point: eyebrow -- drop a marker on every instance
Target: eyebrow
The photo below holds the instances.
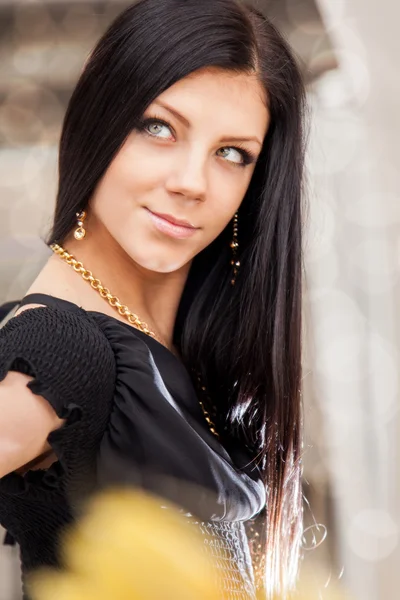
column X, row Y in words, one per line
column 183, row 120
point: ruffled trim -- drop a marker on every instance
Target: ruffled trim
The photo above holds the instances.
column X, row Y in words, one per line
column 39, row 482
column 44, row 479
column 15, row 484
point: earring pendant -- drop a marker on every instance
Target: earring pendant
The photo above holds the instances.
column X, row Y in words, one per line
column 80, row 231
column 234, row 247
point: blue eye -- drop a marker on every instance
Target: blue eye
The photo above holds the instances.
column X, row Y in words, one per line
column 158, row 128
column 155, row 127
column 242, row 157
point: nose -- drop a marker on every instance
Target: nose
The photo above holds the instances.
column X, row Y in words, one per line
column 188, row 176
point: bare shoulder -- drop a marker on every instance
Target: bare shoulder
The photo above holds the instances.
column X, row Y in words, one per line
column 54, row 279
column 27, row 307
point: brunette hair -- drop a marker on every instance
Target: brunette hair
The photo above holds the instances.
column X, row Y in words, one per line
column 244, row 339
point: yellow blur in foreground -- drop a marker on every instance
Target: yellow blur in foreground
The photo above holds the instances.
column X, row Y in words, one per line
column 308, row 590
column 129, row 548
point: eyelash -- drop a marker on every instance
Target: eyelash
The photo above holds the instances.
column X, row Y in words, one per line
column 248, row 157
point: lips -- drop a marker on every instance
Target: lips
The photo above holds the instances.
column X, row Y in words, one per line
column 174, row 221
column 171, row 226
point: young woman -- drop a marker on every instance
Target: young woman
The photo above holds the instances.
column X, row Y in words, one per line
column 161, row 343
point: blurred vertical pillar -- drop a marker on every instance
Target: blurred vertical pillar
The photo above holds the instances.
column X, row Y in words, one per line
column 355, row 289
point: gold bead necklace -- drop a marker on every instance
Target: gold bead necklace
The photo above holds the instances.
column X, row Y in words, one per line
column 124, row 311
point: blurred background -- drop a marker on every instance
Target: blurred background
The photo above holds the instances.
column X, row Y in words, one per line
column 349, row 53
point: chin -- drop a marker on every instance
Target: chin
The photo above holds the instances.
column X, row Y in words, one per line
column 161, row 264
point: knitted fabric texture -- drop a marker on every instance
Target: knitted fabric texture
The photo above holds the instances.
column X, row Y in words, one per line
column 73, row 368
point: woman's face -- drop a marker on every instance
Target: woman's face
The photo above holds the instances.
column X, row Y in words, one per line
column 191, row 161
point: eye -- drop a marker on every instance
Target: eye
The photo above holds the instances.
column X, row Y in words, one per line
column 239, row 156
column 157, row 128
column 236, row 157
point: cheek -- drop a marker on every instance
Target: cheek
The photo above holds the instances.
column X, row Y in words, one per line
column 125, row 186
column 126, row 177
column 111, row 201
column 221, row 210
column 134, row 170
column 140, row 165
column 228, row 188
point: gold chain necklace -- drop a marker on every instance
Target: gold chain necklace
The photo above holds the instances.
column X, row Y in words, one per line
column 123, row 310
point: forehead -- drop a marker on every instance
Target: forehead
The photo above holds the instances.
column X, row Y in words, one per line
column 230, row 102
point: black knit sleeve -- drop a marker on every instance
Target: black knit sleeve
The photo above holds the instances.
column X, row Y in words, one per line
column 73, row 368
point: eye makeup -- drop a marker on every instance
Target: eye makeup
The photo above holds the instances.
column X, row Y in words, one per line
column 248, row 157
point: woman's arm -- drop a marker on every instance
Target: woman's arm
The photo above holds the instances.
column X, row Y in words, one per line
column 26, row 420
column 56, row 368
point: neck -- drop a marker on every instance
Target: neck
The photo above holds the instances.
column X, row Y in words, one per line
column 154, row 297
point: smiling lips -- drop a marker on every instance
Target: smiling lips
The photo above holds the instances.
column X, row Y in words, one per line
column 171, row 226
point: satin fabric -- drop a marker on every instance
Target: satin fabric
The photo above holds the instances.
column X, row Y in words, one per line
column 157, row 436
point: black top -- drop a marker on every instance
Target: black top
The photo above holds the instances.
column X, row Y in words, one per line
column 132, row 416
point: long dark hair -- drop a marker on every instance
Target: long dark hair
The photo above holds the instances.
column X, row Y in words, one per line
column 244, row 339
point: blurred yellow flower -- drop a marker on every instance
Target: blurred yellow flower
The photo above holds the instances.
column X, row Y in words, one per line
column 128, row 548
column 133, row 546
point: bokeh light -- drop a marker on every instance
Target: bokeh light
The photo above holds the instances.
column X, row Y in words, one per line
column 373, row 535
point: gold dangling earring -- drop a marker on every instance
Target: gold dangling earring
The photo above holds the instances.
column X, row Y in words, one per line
column 235, row 245
column 80, row 232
